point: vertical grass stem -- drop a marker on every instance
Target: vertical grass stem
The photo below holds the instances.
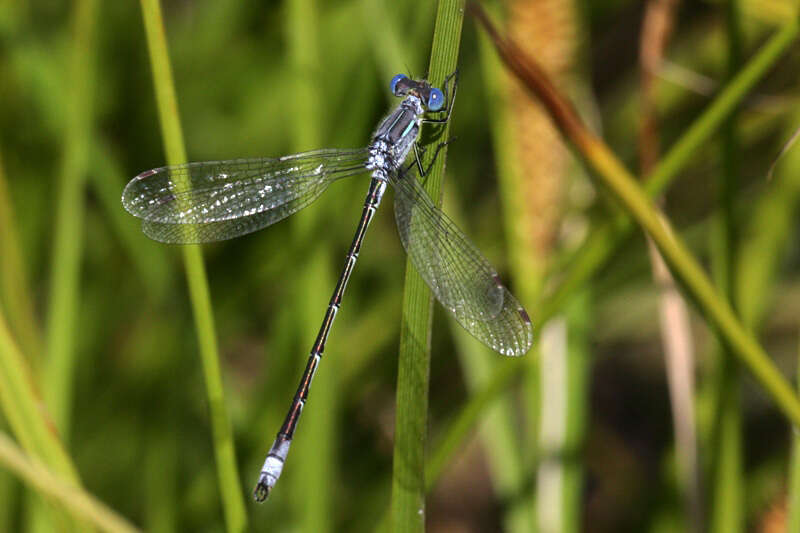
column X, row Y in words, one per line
column 408, row 482
column 229, row 485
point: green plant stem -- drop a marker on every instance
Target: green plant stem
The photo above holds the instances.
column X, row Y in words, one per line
column 17, row 299
column 67, row 245
column 57, row 377
column 230, row 489
column 408, row 482
column 161, row 481
column 74, row 499
column 9, row 497
column 579, row 364
column 314, row 459
column 793, row 521
column 14, row 286
column 727, row 507
column 22, row 407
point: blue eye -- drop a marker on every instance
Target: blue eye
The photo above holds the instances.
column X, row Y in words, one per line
column 394, row 82
column 435, row 99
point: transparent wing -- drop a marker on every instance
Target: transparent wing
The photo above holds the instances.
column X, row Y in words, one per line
column 219, row 200
column 459, row 276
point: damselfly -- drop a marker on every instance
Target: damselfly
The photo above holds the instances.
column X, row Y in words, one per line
column 219, row 200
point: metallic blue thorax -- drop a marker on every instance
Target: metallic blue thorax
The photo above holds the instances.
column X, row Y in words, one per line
column 395, row 137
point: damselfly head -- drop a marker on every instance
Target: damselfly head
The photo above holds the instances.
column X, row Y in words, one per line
column 432, row 97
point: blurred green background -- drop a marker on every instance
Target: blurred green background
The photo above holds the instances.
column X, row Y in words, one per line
column 272, row 78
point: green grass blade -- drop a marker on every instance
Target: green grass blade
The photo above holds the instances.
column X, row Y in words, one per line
column 766, row 239
column 63, row 311
column 313, row 456
column 9, row 497
column 227, row 471
column 768, row 235
column 161, row 483
column 76, row 501
column 509, row 455
column 579, row 366
column 63, row 308
column 22, row 407
column 727, row 502
column 793, row 521
column 17, row 299
column 14, row 287
column 408, row 482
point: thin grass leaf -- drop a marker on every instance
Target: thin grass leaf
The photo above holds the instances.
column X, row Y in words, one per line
column 9, row 497
column 76, row 501
column 161, row 483
column 22, row 407
column 314, row 457
column 227, row 471
column 63, row 311
column 14, row 286
column 727, row 504
column 408, row 482
column 786, row 147
column 579, row 364
column 793, row 521
column 766, row 239
column 18, row 300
